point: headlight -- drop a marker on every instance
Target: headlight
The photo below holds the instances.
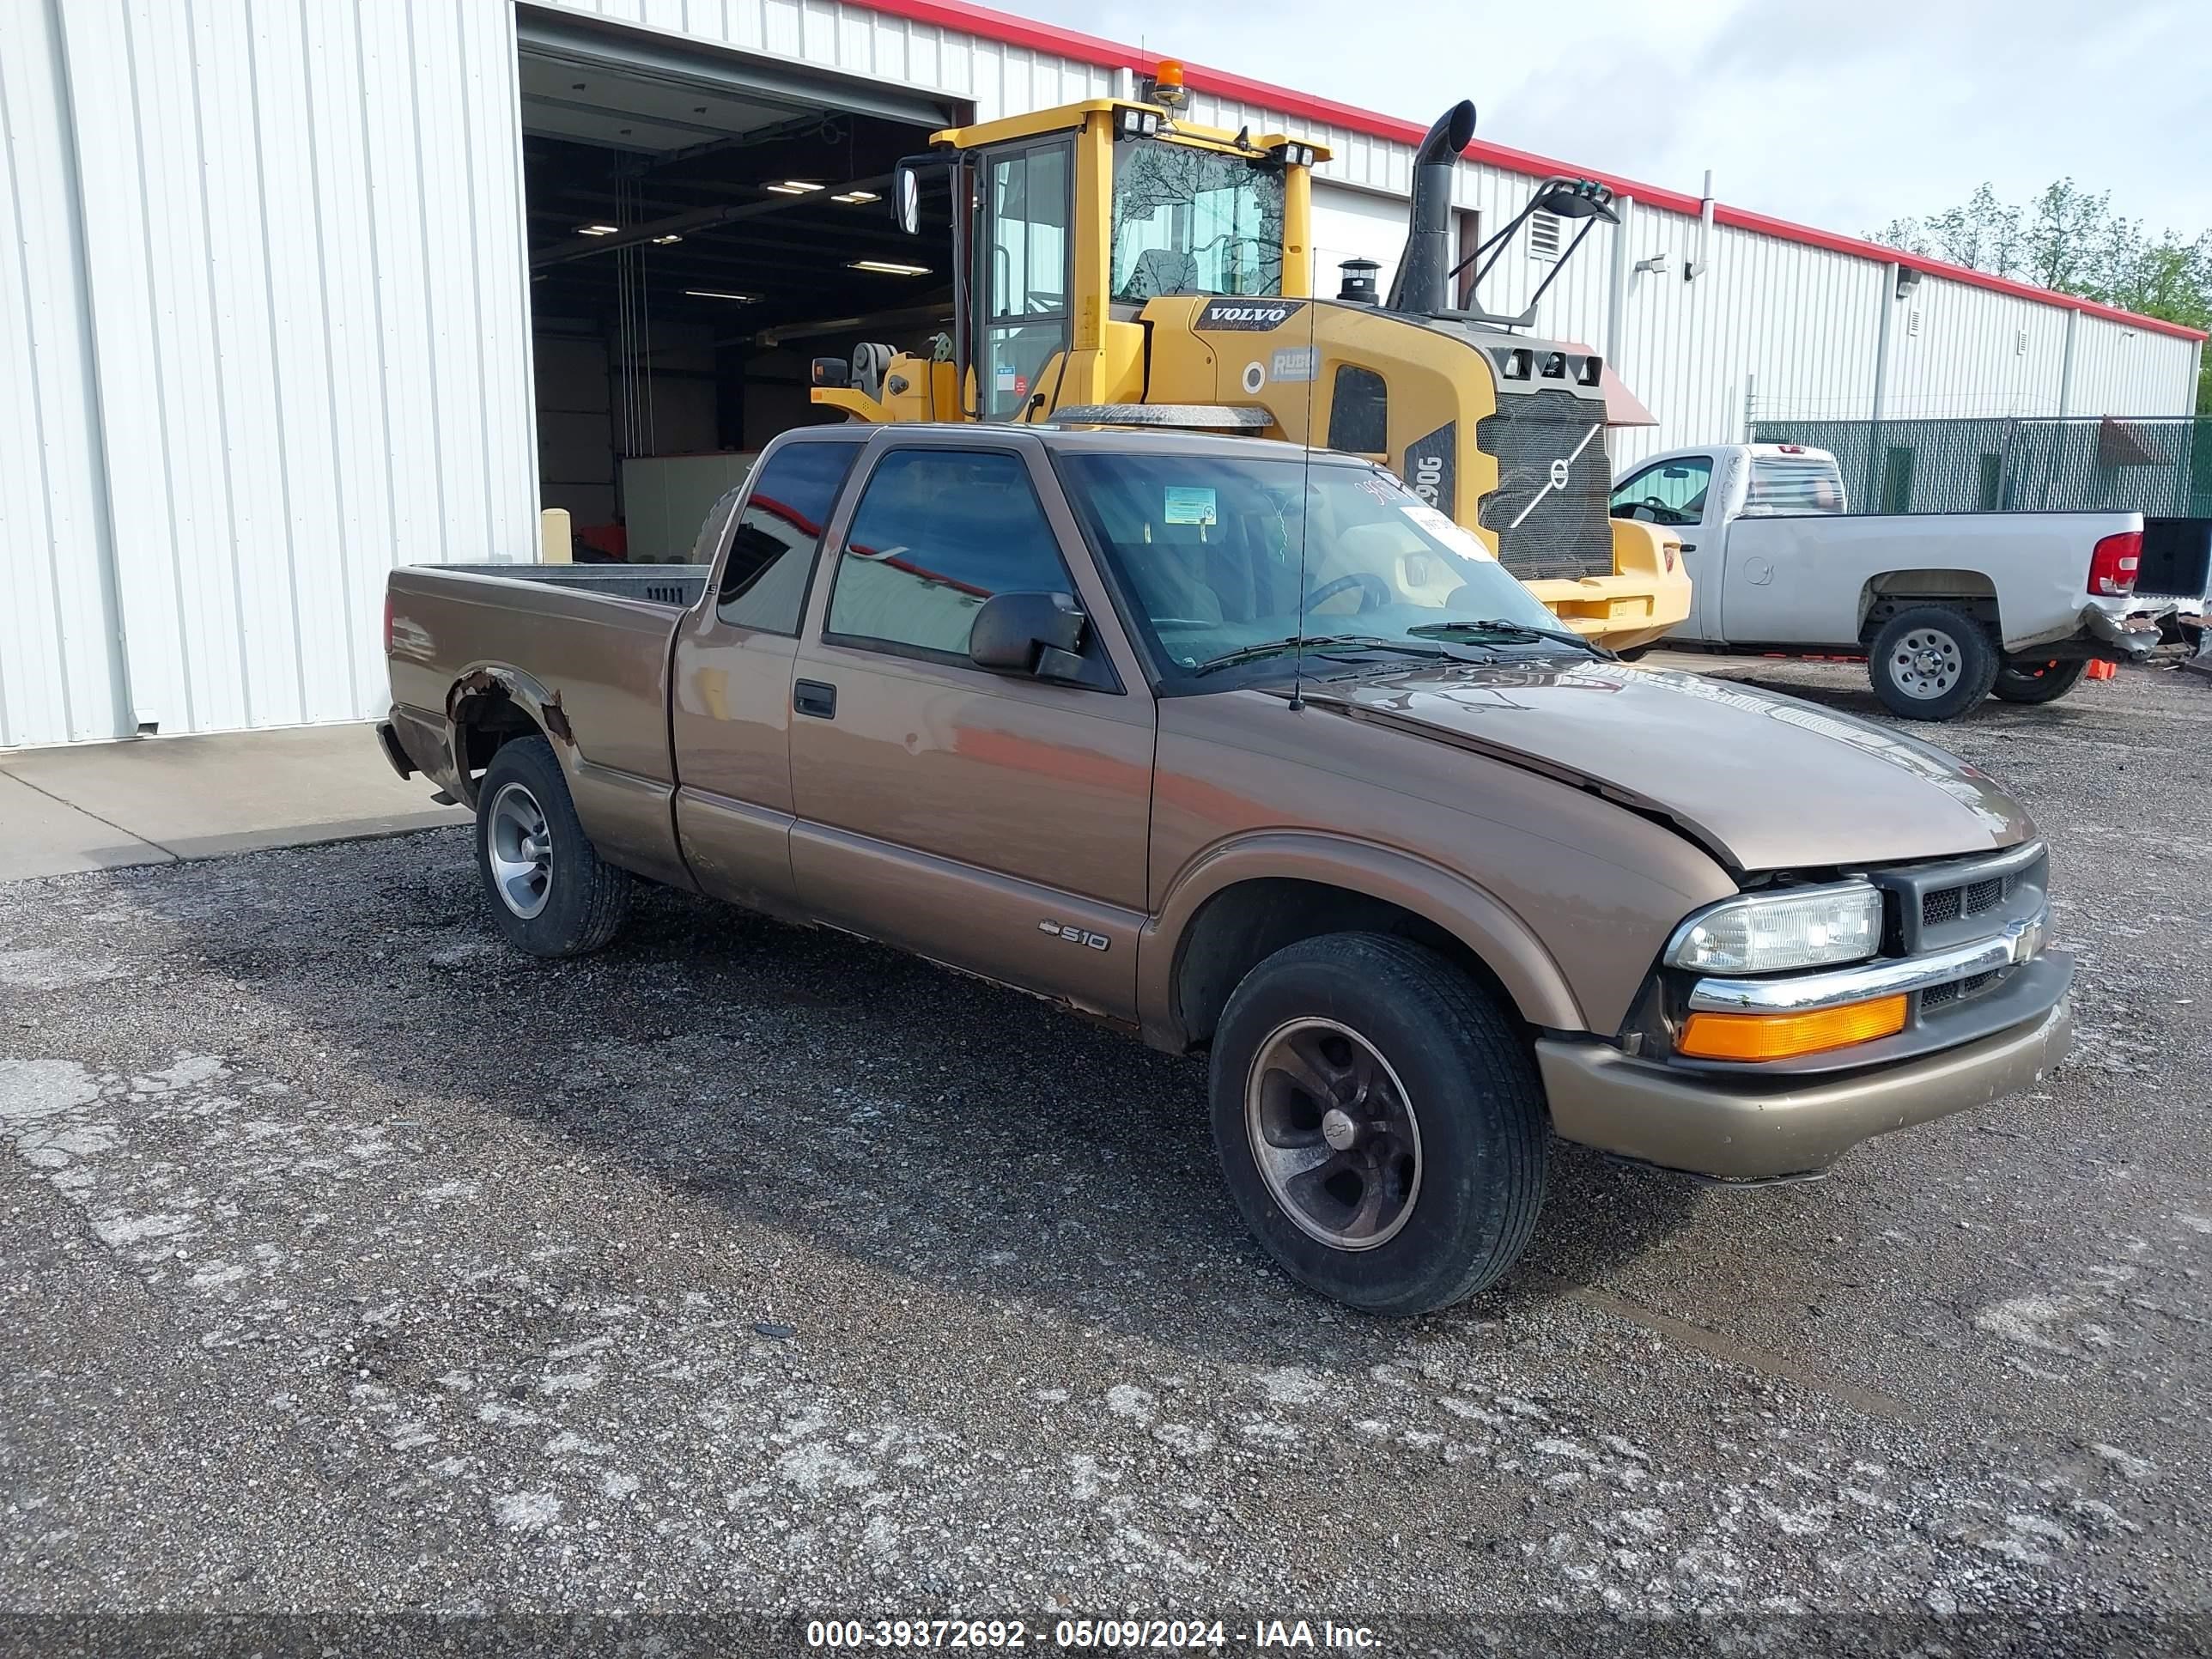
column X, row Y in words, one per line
column 1768, row 932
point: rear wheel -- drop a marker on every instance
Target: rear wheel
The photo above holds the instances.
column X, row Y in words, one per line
column 1379, row 1123
column 1932, row 663
column 2022, row 681
column 550, row 892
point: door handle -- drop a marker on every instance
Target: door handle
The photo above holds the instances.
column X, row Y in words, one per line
column 813, row 697
column 1689, row 547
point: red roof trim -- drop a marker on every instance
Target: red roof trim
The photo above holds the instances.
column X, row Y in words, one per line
column 967, row 18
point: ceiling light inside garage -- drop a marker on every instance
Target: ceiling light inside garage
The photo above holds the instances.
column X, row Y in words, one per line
column 888, row 268
column 854, row 198
column 718, row 293
column 794, row 187
column 596, row 230
column 663, row 241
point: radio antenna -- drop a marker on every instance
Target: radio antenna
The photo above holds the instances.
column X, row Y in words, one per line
column 1309, row 363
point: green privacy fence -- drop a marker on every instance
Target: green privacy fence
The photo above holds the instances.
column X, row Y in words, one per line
column 2157, row 465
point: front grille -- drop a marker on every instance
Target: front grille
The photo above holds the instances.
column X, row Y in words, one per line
column 1942, row 904
column 1936, row 996
column 1935, row 906
column 1567, row 534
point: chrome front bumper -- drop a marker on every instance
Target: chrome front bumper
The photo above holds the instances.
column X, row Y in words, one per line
column 2015, row 942
column 1738, row 1126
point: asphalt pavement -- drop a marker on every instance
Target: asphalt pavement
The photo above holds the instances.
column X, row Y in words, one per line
column 353, row 1263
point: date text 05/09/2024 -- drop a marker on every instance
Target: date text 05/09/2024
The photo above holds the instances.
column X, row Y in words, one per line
column 1092, row 1635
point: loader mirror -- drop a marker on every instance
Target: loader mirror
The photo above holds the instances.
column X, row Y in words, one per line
column 906, row 199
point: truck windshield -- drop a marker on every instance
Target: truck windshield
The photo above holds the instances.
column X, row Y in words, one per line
column 1189, row 221
column 1206, row 550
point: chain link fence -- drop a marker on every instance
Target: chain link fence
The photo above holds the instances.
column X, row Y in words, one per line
column 2158, row 466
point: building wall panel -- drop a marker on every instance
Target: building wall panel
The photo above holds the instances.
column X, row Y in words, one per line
column 59, row 667
column 303, row 235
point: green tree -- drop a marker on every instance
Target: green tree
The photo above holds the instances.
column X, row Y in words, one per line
column 2069, row 240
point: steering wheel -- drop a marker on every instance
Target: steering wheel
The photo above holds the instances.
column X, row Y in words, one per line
column 1374, row 591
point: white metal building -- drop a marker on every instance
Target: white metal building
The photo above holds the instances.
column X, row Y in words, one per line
column 267, row 294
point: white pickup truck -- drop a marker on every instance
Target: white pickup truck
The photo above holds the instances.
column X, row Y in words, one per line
column 1946, row 607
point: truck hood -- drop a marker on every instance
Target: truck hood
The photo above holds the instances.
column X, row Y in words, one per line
column 1764, row 783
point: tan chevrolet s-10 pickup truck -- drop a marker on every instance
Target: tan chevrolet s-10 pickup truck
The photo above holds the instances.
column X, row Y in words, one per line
column 1253, row 753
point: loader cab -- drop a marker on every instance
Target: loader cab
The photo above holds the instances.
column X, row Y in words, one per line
column 1066, row 222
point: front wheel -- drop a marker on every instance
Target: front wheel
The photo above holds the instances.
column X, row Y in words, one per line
column 1379, row 1123
column 550, row 892
column 2022, row 681
column 1932, row 663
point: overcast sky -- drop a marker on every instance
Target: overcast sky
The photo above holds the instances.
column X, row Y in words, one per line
column 1842, row 116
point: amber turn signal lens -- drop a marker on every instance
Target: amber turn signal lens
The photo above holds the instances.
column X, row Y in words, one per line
column 1784, row 1036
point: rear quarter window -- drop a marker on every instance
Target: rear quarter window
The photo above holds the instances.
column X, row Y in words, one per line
column 778, row 533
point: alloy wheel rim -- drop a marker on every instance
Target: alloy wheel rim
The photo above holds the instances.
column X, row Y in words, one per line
column 1333, row 1133
column 1927, row 663
column 521, row 847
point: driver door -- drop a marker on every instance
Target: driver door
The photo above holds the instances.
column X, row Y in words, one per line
column 1674, row 494
column 1024, row 259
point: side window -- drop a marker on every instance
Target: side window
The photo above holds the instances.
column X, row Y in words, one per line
column 1672, row 492
column 937, row 533
column 1360, row 412
column 773, row 547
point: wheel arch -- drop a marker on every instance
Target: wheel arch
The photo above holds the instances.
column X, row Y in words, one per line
column 1889, row 592
column 1242, row 903
column 490, row 706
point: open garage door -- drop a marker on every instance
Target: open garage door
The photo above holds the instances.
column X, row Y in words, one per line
column 702, row 224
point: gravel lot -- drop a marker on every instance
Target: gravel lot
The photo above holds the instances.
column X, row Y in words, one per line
column 353, row 1263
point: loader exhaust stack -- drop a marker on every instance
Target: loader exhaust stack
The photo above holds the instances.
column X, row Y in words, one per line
column 1423, row 285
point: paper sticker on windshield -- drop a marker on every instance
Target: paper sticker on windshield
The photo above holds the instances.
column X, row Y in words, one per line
column 1188, row 504
column 1462, row 542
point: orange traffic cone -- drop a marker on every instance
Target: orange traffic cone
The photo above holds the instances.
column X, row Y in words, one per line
column 2102, row 671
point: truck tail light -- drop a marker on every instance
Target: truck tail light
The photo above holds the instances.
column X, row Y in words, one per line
column 2114, row 563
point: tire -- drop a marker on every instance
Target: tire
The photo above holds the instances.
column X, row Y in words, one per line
column 1439, row 1055
column 1932, row 663
column 550, row 893
column 2022, row 681
column 1634, row 654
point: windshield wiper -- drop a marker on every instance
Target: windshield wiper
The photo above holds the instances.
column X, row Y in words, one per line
column 1502, row 628
column 1314, row 642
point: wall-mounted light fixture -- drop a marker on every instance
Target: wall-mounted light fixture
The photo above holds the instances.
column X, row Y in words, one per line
column 1907, row 280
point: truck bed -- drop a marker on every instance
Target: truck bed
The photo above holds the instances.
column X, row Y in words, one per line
column 583, row 650
column 1796, row 579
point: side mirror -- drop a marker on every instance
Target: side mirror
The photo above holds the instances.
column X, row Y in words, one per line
column 831, row 372
column 906, row 199
column 1037, row 633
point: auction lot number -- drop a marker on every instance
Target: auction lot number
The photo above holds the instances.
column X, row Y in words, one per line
column 1094, row 1634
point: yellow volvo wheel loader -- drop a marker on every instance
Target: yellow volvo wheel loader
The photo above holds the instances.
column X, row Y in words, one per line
column 1115, row 264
